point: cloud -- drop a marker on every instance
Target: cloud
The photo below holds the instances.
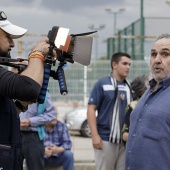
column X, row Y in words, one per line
column 68, row 5
column 39, row 16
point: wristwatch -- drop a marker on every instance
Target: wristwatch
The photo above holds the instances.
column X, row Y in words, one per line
column 20, row 106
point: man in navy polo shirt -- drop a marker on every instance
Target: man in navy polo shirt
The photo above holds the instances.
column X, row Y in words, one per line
column 109, row 98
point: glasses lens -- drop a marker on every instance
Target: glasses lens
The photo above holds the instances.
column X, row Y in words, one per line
column 3, row 16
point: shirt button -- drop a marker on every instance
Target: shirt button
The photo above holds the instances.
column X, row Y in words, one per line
column 146, row 105
column 140, row 120
column 134, row 135
column 129, row 152
column 128, row 167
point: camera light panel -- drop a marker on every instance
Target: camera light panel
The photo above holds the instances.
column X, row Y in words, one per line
column 61, row 37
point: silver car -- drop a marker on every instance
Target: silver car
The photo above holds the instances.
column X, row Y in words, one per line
column 76, row 120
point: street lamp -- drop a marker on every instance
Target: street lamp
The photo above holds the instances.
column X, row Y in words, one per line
column 168, row 2
column 93, row 27
column 109, row 10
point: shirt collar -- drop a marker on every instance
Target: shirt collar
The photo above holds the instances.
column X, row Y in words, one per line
column 164, row 83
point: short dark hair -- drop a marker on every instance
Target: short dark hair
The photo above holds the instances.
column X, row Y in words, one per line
column 117, row 56
column 139, row 85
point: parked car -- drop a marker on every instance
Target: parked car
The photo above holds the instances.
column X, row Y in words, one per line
column 76, row 120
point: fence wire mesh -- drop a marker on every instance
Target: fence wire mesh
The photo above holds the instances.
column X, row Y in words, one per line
column 81, row 79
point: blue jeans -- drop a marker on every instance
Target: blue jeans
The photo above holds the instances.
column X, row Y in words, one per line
column 64, row 159
column 33, row 151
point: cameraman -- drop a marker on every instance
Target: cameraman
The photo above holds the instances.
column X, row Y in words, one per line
column 24, row 87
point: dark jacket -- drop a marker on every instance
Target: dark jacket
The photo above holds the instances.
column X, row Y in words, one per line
column 13, row 86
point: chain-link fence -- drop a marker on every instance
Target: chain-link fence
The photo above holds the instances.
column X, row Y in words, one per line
column 81, row 79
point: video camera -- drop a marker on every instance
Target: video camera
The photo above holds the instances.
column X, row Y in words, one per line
column 69, row 48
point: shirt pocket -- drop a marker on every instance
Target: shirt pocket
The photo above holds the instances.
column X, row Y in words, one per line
column 154, row 125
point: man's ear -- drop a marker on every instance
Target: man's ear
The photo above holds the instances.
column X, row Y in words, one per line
column 114, row 65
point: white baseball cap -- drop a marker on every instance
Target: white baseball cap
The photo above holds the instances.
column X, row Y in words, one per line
column 13, row 30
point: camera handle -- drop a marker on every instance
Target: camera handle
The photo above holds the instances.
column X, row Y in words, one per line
column 47, row 69
column 61, row 80
column 59, row 75
column 49, row 60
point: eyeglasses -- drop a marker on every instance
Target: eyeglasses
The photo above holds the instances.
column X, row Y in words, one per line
column 2, row 16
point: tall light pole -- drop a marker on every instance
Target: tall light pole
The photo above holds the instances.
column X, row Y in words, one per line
column 168, row 2
column 109, row 10
column 142, row 28
column 93, row 27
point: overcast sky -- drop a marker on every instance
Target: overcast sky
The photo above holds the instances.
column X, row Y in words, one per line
column 39, row 16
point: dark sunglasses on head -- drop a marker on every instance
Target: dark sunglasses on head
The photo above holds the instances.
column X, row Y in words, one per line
column 2, row 16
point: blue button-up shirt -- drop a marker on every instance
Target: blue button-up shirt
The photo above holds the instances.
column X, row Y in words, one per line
column 58, row 136
column 36, row 120
column 148, row 146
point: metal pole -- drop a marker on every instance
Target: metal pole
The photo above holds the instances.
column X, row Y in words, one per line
column 20, row 43
column 109, row 10
column 114, row 22
column 85, row 86
column 142, row 18
column 142, row 30
column 96, row 46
